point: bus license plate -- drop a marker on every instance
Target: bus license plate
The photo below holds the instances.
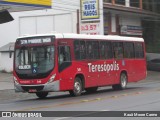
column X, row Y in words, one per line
column 32, row 90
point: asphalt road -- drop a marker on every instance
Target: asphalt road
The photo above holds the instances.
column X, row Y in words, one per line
column 141, row 96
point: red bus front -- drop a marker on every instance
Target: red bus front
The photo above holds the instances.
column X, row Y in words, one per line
column 34, row 65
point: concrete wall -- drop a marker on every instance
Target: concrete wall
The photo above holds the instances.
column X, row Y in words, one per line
column 6, row 63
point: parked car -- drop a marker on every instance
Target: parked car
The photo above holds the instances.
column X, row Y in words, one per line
column 154, row 64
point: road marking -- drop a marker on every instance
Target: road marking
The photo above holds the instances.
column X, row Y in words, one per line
column 104, row 110
column 85, row 100
column 115, row 96
column 62, row 118
column 124, row 94
column 138, row 92
column 98, row 99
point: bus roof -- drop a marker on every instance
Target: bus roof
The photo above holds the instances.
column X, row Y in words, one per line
column 83, row 36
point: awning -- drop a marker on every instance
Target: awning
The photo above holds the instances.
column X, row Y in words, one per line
column 5, row 16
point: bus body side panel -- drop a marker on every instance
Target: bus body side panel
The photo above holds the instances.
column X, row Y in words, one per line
column 108, row 75
column 140, row 69
column 128, row 65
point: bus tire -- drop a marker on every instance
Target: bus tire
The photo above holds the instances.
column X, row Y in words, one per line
column 91, row 90
column 77, row 88
column 123, row 82
column 42, row 95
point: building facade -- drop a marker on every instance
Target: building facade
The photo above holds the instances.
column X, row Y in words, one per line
column 105, row 17
column 6, row 57
column 134, row 18
column 114, row 17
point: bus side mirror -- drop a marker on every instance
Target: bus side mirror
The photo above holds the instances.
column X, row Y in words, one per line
column 10, row 54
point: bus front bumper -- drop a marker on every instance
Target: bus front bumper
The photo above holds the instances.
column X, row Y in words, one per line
column 48, row 87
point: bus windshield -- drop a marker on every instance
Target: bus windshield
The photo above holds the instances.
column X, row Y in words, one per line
column 34, row 62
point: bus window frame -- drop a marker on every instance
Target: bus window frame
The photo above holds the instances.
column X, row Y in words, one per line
column 113, row 46
column 64, row 64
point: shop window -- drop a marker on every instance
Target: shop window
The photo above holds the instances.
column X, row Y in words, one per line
column 108, row 1
column 106, row 24
column 134, row 3
column 120, row 2
column 147, row 5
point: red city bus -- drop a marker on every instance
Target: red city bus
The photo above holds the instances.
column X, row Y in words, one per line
column 74, row 63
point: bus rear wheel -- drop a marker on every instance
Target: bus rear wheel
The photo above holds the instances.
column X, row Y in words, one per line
column 123, row 82
column 42, row 95
column 77, row 88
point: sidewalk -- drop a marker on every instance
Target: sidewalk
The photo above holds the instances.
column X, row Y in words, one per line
column 6, row 81
column 153, row 76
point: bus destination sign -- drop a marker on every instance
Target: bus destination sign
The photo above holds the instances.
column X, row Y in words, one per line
column 35, row 40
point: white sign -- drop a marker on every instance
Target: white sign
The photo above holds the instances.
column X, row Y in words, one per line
column 89, row 9
column 103, row 67
column 24, row 67
column 90, row 28
column 131, row 30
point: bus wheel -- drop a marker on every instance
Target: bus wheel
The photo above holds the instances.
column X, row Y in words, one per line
column 123, row 83
column 77, row 90
column 42, row 94
column 91, row 90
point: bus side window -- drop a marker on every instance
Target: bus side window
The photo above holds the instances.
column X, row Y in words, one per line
column 82, row 50
column 118, row 50
column 95, row 49
column 139, row 50
column 77, row 50
column 102, row 49
column 128, row 50
column 64, row 57
column 109, row 52
column 89, row 50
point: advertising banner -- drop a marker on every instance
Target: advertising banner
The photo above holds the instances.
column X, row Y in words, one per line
column 131, row 30
column 89, row 9
column 35, row 3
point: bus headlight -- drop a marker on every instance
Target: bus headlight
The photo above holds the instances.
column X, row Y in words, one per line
column 15, row 80
column 52, row 78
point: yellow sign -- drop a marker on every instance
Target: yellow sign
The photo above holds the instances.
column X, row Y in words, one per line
column 89, row 9
column 36, row 3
